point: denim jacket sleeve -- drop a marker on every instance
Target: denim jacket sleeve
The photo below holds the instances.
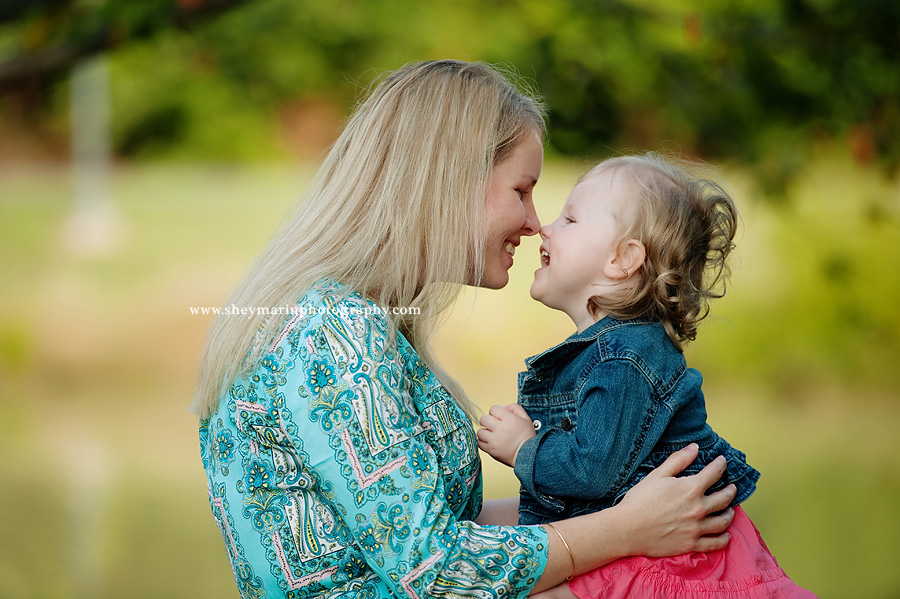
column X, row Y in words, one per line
column 618, row 421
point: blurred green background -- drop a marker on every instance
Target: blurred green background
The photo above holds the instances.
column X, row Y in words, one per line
column 217, row 113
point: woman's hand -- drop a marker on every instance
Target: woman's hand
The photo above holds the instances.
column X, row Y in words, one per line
column 673, row 515
column 662, row 515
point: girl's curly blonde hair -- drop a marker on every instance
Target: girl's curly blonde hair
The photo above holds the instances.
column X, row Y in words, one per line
column 687, row 223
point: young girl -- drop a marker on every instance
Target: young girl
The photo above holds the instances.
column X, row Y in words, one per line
column 639, row 248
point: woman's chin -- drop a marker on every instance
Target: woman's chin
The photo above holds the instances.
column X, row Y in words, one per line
column 495, row 280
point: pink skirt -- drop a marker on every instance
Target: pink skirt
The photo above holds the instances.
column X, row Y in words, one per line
column 743, row 570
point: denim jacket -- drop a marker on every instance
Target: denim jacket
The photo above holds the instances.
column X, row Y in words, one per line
column 610, row 404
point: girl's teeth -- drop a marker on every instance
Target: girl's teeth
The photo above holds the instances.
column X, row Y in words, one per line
column 510, row 248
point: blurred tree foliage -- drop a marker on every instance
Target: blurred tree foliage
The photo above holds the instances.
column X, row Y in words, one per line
column 52, row 35
column 756, row 81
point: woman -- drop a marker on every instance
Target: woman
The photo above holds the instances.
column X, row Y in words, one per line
column 341, row 459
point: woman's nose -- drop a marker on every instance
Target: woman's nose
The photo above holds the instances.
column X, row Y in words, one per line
column 532, row 222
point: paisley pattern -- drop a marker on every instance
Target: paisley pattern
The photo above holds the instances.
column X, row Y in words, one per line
column 339, row 467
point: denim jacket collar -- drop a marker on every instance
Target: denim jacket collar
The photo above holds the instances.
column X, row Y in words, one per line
column 574, row 344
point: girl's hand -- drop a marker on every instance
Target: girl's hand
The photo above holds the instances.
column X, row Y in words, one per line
column 672, row 515
column 506, row 428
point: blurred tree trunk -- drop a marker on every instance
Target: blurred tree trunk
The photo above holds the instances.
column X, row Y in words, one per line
column 93, row 227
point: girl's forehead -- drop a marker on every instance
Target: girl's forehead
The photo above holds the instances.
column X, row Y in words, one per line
column 604, row 188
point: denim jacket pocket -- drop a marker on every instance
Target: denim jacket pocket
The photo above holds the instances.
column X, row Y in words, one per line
column 551, row 411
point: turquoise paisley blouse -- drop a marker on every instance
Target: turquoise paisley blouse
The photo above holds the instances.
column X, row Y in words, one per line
column 339, row 467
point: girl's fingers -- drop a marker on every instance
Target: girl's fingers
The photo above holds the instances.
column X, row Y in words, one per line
column 499, row 412
column 489, row 422
column 518, row 410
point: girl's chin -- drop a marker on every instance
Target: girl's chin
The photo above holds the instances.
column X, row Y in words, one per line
column 538, row 282
column 538, row 293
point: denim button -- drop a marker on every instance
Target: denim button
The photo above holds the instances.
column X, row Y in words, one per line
column 537, row 425
column 565, row 423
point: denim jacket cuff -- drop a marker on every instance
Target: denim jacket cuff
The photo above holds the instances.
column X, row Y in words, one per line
column 524, row 470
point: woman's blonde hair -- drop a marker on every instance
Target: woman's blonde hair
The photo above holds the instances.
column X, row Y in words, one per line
column 395, row 212
column 687, row 223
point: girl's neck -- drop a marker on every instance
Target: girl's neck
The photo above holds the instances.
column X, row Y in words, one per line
column 585, row 320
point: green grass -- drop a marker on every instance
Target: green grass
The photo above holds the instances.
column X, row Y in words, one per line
column 103, row 491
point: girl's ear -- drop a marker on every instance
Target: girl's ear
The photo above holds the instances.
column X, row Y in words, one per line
column 629, row 258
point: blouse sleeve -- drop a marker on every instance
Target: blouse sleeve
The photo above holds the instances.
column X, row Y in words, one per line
column 362, row 419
